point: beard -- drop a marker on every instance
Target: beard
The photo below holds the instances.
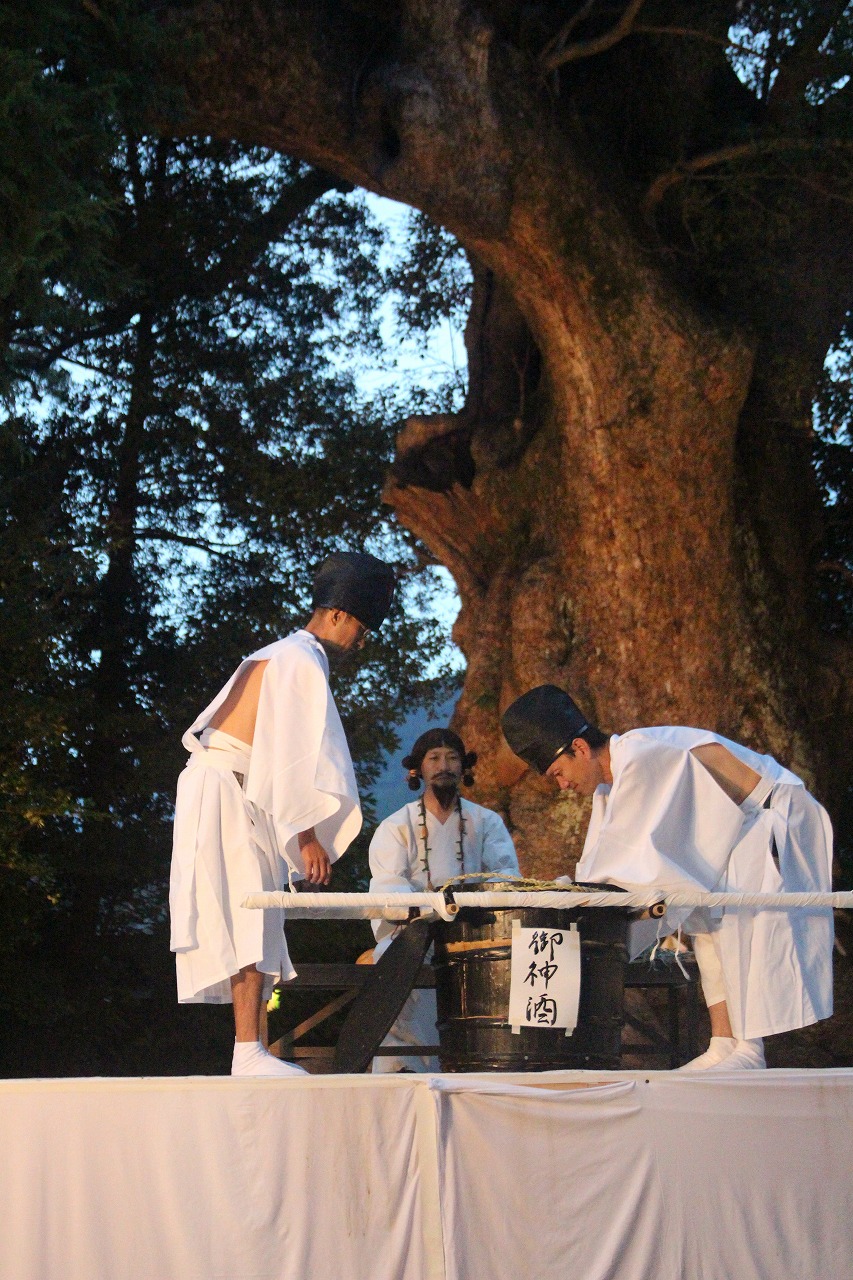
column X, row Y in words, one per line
column 337, row 654
column 445, row 791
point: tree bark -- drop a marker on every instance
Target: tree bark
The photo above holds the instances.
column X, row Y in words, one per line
column 608, row 501
column 601, row 555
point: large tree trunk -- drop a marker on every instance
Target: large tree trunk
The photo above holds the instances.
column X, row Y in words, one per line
column 594, row 546
column 606, row 499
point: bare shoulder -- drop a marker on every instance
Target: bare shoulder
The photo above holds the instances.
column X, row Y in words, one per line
column 248, row 682
column 252, row 672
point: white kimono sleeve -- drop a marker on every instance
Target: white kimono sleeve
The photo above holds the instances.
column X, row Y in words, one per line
column 301, row 774
column 498, row 849
column 390, row 867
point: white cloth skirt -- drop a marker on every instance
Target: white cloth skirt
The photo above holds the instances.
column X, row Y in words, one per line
column 216, row 843
column 415, row 1024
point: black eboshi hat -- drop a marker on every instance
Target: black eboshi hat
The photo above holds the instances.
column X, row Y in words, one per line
column 358, row 583
column 542, row 724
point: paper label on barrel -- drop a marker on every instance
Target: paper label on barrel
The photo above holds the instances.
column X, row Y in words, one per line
column 545, row 981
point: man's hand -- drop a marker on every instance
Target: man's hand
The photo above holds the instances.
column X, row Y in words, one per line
column 318, row 869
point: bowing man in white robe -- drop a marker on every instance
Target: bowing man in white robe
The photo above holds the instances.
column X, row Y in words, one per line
column 432, row 840
column 677, row 808
column 268, row 796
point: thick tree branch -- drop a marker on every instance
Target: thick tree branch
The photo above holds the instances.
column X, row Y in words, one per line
column 835, row 566
column 367, row 96
column 556, row 46
column 729, row 155
column 562, row 54
column 691, row 33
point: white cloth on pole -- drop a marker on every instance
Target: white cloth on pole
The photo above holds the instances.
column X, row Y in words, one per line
column 397, row 866
column 233, row 838
column 666, row 823
column 396, row 906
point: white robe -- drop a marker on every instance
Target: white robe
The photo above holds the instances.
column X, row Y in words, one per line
column 396, row 866
column 231, row 839
column 666, row 823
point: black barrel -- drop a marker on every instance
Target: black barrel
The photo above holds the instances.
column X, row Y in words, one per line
column 472, row 964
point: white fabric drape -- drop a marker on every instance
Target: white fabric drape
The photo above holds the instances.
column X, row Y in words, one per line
column 643, row 1174
column 212, row 1179
column 675, row 1178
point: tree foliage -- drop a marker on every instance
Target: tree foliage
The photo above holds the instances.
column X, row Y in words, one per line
column 432, row 280
column 69, row 72
column 834, row 458
column 184, row 439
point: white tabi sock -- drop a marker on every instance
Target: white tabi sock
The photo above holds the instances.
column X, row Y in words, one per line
column 718, row 1050
column 747, row 1055
column 252, row 1059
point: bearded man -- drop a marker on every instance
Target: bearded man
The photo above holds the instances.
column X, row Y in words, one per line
column 436, row 838
column 676, row 808
column 268, row 795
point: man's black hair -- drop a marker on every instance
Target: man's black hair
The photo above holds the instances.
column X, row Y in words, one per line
column 429, row 741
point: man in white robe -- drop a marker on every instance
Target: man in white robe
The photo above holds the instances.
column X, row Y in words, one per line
column 268, row 796
column 432, row 840
column 678, row 809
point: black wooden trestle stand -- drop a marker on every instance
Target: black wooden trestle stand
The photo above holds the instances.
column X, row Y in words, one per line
column 678, row 1044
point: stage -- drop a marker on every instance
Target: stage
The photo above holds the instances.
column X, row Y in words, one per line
column 557, row 1176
